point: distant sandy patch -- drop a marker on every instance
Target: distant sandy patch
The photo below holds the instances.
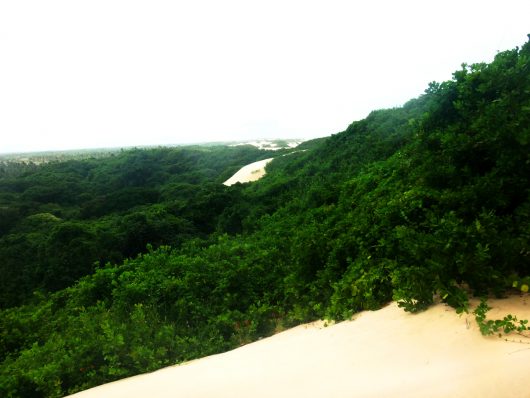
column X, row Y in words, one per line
column 250, row 172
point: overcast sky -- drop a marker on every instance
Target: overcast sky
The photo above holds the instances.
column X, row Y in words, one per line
column 87, row 74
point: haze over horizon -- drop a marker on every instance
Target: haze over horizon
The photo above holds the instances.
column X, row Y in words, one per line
column 121, row 73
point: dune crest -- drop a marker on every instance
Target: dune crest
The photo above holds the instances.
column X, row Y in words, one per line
column 384, row 353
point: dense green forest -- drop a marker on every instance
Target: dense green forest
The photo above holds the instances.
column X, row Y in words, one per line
column 61, row 220
column 124, row 264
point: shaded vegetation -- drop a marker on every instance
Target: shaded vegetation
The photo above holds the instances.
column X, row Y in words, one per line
column 428, row 199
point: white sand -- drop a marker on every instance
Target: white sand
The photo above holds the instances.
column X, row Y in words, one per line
column 270, row 145
column 385, row 353
column 248, row 173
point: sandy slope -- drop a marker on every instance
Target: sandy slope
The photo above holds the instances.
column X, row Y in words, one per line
column 385, row 353
column 248, row 173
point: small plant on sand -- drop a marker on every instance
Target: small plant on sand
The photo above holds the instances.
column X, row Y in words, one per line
column 507, row 325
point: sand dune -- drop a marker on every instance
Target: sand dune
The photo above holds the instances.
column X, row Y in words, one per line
column 385, row 353
column 248, row 173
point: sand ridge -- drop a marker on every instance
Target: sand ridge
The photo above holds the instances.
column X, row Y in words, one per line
column 250, row 172
column 384, row 353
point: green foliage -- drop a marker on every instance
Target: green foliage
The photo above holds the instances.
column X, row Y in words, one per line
column 506, row 325
column 60, row 220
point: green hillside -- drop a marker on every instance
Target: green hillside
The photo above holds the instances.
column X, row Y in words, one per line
column 121, row 265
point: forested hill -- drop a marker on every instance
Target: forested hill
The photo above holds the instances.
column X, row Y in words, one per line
column 432, row 198
column 60, row 220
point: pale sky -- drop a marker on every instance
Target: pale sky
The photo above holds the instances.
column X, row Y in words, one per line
column 108, row 73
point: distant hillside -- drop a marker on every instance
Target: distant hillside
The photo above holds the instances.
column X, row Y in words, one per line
column 62, row 219
column 56, row 156
column 429, row 199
